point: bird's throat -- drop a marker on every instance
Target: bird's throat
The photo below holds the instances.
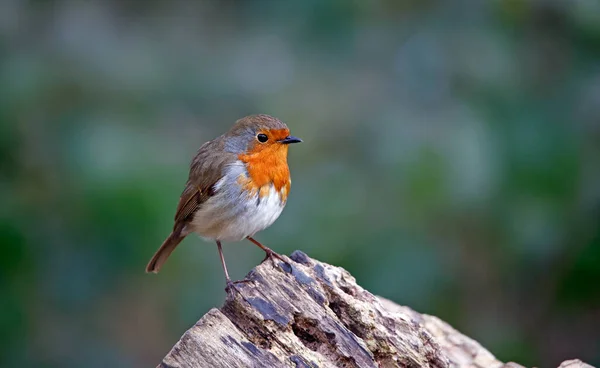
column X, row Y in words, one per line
column 268, row 166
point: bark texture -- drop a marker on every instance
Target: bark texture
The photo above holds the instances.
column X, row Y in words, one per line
column 310, row 314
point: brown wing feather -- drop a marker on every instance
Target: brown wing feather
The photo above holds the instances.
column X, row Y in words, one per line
column 206, row 169
column 188, row 203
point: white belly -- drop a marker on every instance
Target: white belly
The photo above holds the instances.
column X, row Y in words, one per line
column 232, row 214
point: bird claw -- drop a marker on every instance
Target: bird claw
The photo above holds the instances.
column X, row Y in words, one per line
column 232, row 285
column 272, row 255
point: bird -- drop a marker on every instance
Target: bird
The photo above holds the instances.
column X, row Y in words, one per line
column 238, row 185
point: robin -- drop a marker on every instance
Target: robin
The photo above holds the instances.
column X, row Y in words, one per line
column 238, row 185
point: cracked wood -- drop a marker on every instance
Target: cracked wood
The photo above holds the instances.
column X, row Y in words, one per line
column 309, row 314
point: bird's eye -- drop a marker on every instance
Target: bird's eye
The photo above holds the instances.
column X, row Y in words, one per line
column 262, row 138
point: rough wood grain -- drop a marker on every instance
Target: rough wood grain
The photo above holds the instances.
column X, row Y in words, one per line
column 310, row 314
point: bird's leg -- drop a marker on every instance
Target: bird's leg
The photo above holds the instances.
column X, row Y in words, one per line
column 230, row 285
column 270, row 253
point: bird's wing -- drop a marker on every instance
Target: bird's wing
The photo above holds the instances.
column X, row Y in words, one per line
column 189, row 202
column 208, row 166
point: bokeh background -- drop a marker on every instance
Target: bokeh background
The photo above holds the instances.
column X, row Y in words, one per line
column 451, row 162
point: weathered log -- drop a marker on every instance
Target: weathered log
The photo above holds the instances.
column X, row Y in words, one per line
column 310, row 314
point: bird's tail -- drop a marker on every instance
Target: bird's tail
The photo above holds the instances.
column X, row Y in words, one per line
column 165, row 250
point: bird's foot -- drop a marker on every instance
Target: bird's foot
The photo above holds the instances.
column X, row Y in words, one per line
column 272, row 256
column 231, row 286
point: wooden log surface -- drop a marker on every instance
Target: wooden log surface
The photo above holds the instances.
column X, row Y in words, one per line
column 310, row 314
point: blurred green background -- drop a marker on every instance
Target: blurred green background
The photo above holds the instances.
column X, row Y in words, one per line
column 451, row 162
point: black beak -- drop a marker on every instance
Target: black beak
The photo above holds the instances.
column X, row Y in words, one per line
column 289, row 139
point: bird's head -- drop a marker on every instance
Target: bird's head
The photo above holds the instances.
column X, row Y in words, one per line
column 259, row 135
column 261, row 143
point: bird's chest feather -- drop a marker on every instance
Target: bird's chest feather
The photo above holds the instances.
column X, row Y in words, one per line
column 239, row 207
column 266, row 169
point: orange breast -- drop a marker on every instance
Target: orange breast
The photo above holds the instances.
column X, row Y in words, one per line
column 265, row 166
